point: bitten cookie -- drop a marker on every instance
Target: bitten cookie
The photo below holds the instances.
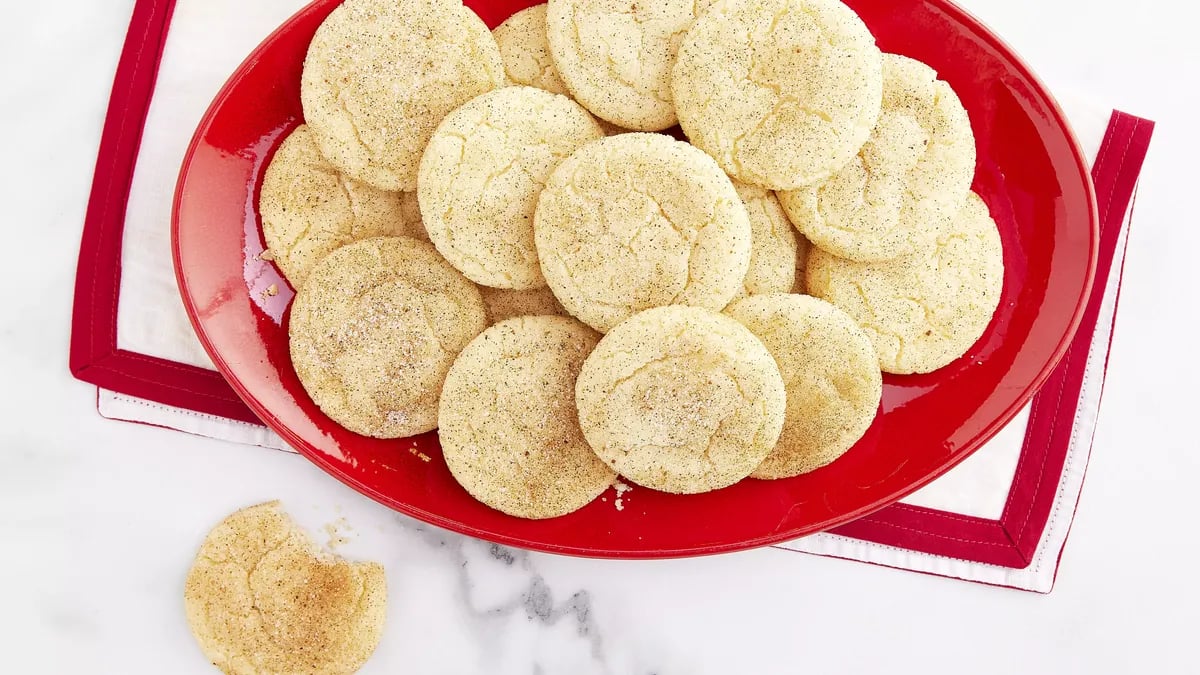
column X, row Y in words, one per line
column 481, row 175
column 925, row 310
column 637, row 221
column 308, row 209
column 681, row 399
column 260, row 599
column 773, row 246
column 526, row 52
column 380, row 75
column 507, row 422
column 374, row 330
column 505, row 303
column 907, row 182
column 830, row 372
column 616, row 56
column 782, row 93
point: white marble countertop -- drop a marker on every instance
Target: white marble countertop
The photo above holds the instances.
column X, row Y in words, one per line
column 100, row 519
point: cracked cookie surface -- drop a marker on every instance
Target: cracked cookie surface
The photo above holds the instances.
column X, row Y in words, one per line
column 615, row 56
column 527, row 59
column 309, row 209
column 830, row 372
column 380, row 75
column 374, row 330
column 773, row 244
column 906, row 183
column 681, row 399
column 925, row 310
column 507, row 422
column 637, row 221
column 260, row 600
column 526, row 51
column 781, row 92
column 481, row 175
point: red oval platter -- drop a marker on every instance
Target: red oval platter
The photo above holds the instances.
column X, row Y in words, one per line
column 1031, row 173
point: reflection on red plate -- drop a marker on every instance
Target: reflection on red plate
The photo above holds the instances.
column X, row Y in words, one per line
column 1030, row 172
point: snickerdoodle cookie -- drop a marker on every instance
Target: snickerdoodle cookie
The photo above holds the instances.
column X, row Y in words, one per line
column 381, row 74
column 782, row 93
column 259, row 598
column 637, row 221
column 829, row 370
column 481, row 175
column 907, row 182
column 508, row 426
column 374, row 330
column 924, row 310
column 681, row 399
column 309, row 209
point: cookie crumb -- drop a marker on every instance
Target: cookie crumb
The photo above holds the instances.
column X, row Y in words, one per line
column 621, row 488
column 266, row 255
column 336, row 531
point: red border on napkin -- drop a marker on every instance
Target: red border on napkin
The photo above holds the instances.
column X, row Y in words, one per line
column 1008, row 542
column 95, row 356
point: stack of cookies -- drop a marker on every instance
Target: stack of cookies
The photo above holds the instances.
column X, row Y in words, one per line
column 488, row 237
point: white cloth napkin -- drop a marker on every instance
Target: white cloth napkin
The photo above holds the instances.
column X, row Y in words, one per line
column 206, row 41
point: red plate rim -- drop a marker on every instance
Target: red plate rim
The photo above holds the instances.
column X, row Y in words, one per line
column 968, row 20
